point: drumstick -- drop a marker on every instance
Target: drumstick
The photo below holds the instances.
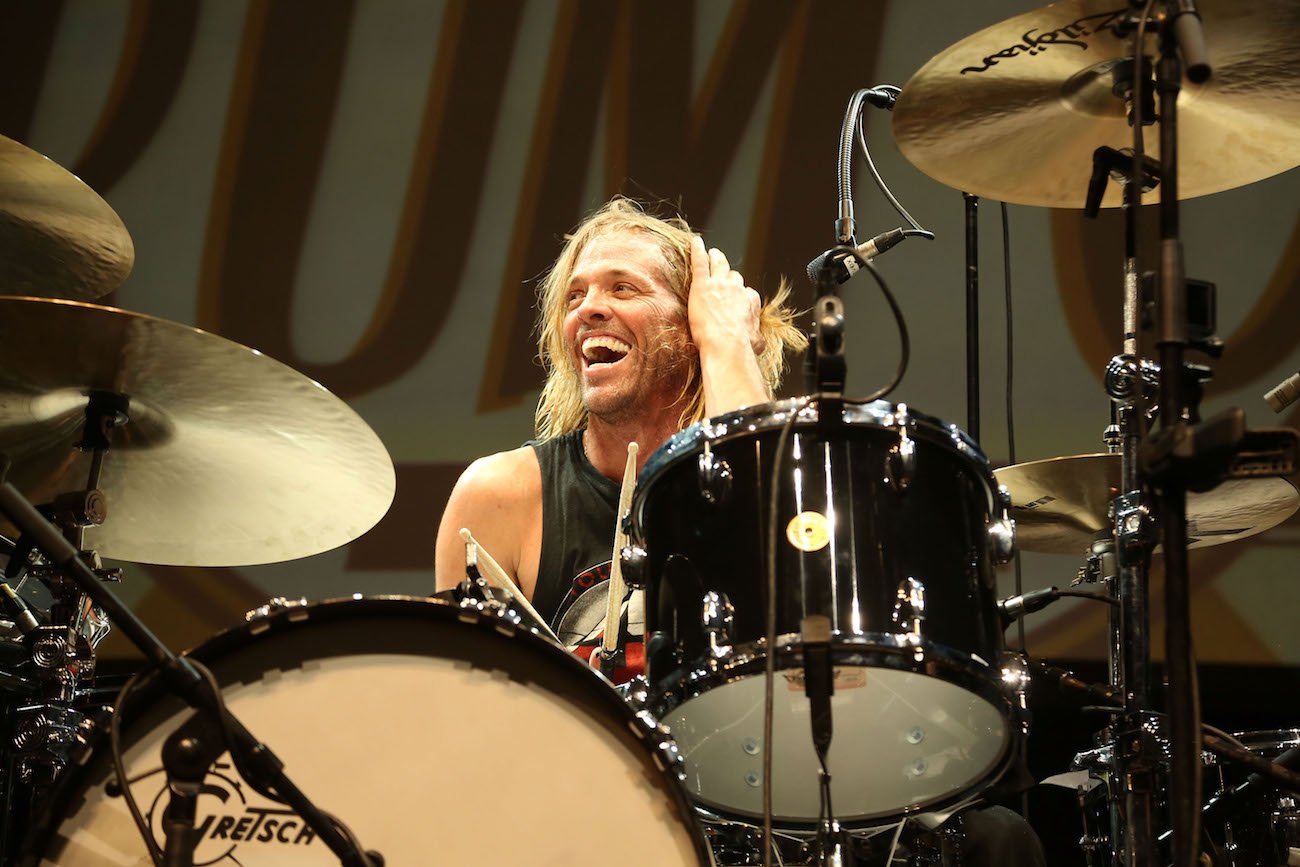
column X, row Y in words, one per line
column 494, row 573
column 614, row 608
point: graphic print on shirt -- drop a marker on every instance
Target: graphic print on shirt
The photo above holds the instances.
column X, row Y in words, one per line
column 580, row 621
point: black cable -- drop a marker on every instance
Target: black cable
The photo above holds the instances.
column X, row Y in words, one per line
column 875, row 174
column 905, row 343
column 769, row 670
column 119, row 769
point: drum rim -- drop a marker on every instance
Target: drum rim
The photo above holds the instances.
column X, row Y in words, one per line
column 958, row 669
column 767, row 416
column 149, row 697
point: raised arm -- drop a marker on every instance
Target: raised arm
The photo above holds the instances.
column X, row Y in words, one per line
column 724, row 316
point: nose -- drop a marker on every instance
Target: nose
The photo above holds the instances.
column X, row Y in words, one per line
column 593, row 307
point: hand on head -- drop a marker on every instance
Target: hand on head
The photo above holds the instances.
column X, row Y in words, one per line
column 721, row 309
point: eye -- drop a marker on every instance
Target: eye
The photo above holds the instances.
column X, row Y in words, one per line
column 574, row 297
column 624, row 289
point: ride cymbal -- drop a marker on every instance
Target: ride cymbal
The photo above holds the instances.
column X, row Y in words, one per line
column 227, row 457
column 1061, row 504
column 1015, row 111
column 58, row 238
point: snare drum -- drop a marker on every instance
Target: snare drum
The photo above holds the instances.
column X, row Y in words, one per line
column 438, row 735
column 890, row 525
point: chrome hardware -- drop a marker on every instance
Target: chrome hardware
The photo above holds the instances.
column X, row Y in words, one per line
column 714, row 477
column 900, row 463
column 718, row 618
column 633, row 558
column 274, row 605
column 1015, row 676
column 1002, row 529
column 1133, row 524
column 909, row 605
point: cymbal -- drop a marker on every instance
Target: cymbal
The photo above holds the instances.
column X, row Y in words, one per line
column 229, row 458
column 58, row 238
column 1060, row 504
column 1015, row 111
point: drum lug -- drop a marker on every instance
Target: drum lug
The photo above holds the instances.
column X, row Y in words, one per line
column 1015, row 676
column 633, row 557
column 718, row 619
column 714, row 477
column 274, row 605
column 1002, row 530
column 900, row 463
column 909, row 605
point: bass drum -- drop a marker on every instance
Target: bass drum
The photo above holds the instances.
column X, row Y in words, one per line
column 435, row 733
column 889, row 526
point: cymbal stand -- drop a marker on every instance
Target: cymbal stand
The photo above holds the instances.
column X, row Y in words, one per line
column 53, row 725
column 183, row 759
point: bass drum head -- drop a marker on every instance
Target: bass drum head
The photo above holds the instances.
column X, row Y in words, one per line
column 433, row 739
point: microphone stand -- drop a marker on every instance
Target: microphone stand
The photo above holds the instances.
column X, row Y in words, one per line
column 186, row 758
column 972, row 316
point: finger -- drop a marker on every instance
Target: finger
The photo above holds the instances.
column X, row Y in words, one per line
column 718, row 262
column 699, row 259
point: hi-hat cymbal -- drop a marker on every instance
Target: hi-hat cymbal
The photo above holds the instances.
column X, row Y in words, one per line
column 1015, row 111
column 58, row 238
column 229, row 458
column 1060, row 504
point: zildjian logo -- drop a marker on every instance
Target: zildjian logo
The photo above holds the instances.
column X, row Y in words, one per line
column 225, row 819
column 1034, row 42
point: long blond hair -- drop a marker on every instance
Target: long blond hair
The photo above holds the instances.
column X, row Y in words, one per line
column 560, row 409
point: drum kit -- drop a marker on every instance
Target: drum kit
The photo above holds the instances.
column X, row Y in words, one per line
column 824, row 653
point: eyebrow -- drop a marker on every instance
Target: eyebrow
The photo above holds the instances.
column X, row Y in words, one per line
column 617, row 274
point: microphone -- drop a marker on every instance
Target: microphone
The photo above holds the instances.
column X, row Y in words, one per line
column 844, row 262
column 1282, row 395
column 1014, row 607
column 818, row 678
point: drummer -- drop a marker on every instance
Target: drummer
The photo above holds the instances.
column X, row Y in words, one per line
column 642, row 332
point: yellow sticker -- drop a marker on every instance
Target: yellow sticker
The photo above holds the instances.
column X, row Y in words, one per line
column 808, row 531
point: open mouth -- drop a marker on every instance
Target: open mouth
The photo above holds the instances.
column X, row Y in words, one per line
column 603, row 351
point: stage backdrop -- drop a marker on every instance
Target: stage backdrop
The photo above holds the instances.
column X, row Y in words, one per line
column 367, row 192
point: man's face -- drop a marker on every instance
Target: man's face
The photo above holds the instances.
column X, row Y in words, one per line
column 625, row 328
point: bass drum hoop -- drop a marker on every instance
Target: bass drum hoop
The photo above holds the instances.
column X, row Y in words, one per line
column 346, row 626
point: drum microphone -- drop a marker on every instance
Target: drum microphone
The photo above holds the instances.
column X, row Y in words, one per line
column 844, row 263
column 1282, row 395
column 1014, row 607
column 818, row 678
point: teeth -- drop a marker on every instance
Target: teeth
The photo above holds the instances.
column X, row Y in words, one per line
column 592, row 345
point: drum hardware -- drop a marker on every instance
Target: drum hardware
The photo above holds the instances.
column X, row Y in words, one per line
column 59, row 238
column 715, row 477
column 262, row 770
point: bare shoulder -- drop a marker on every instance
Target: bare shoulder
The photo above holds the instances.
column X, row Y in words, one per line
column 499, row 499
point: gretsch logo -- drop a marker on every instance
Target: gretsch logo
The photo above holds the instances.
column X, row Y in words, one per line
column 1034, row 42
column 230, row 828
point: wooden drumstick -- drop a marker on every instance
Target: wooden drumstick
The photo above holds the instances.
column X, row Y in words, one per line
column 494, row 573
column 614, row 608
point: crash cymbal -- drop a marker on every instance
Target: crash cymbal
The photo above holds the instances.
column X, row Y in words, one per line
column 1060, row 504
column 58, row 238
column 228, row 458
column 1015, row 111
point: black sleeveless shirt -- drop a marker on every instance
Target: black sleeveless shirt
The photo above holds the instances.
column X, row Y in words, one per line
column 578, row 514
